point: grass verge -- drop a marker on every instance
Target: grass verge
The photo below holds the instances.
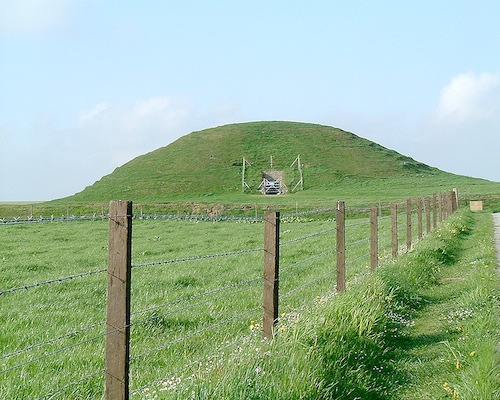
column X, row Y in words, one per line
column 423, row 327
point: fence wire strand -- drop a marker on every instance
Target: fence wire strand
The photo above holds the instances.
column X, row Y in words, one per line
column 187, row 307
column 51, row 281
column 194, row 363
column 196, row 258
column 74, row 383
column 55, row 352
column 305, row 261
column 308, row 236
column 51, row 341
column 195, row 333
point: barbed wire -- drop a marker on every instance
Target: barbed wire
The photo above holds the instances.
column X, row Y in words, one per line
column 304, row 285
column 55, row 352
column 31, row 220
column 358, row 223
column 351, row 261
column 218, row 350
column 51, row 281
column 310, row 212
column 51, row 341
column 196, row 258
column 189, row 298
column 356, row 242
column 308, row 236
column 67, row 386
column 197, row 332
column 305, row 261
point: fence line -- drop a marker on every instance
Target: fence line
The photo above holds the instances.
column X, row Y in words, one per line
column 270, row 302
column 400, row 226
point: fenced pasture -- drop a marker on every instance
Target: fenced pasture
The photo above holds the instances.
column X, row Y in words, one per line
column 196, row 289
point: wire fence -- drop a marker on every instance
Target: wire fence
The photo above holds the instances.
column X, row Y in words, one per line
column 185, row 310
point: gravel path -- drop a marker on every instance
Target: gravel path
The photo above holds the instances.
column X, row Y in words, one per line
column 496, row 222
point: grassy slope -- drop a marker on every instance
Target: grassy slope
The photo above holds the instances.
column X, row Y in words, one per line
column 206, row 166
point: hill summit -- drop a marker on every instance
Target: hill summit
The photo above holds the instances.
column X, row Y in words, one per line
column 211, row 161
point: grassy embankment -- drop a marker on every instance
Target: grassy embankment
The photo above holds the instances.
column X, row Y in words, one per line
column 425, row 327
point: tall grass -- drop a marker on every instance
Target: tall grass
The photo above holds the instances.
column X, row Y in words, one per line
column 196, row 321
column 360, row 344
column 185, row 305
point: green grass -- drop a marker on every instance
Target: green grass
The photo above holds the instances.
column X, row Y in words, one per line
column 182, row 311
column 425, row 327
column 198, row 320
column 452, row 350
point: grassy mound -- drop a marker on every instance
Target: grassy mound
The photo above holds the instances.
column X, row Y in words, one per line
column 207, row 166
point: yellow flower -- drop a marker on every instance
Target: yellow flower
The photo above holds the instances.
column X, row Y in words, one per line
column 472, row 353
column 458, row 365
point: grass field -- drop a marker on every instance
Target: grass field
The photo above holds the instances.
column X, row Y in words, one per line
column 424, row 327
column 192, row 305
column 53, row 326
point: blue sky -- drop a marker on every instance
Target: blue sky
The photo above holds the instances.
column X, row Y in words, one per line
column 85, row 86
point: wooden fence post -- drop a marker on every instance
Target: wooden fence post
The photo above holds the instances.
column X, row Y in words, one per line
column 447, row 204
column 428, row 213
column 454, row 200
column 340, row 246
column 408, row 224
column 440, row 208
column 374, row 237
column 394, row 220
column 435, row 210
column 420, row 229
column 271, row 273
column 118, row 300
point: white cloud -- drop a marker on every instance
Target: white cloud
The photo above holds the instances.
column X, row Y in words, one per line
column 470, row 98
column 128, row 130
column 34, row 17
column 462, row 133
column 65, row 159
column 88, row 116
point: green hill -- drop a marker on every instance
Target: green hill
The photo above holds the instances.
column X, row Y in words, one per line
column 207, row 166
